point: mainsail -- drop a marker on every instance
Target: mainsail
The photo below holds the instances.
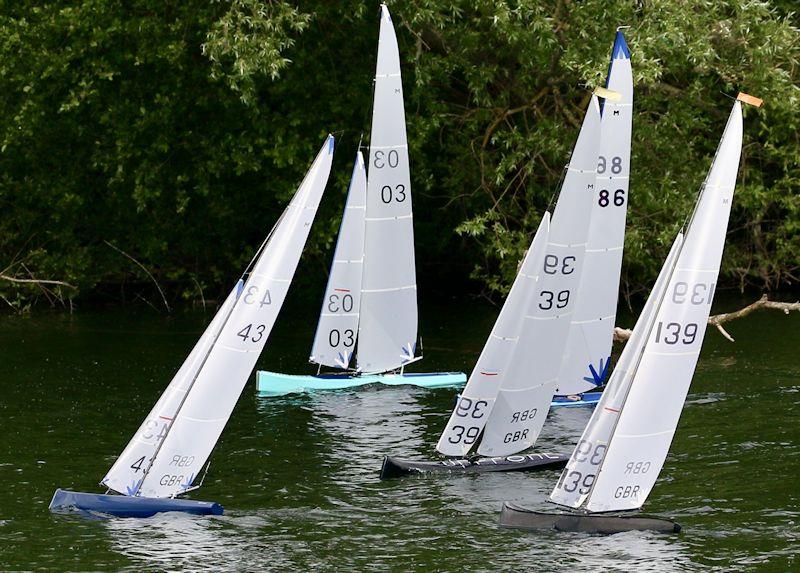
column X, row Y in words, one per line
column 588, row 348
column 523, row 400
column 337, row 329
column 631, row 462
column 388, row 324
column 476, row 400
column 197, row 404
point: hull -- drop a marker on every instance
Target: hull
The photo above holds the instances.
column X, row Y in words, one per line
column 276, row 384
column 124, row 506
column 397, row 467
column 516, row 517
column 576, row 400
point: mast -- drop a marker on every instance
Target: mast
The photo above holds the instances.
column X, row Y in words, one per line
column 387, row 335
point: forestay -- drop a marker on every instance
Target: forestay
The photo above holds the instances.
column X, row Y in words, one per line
column 526, row 391
column 648, row 419
column 581, row 471
column 591, row 334
column 388, row 323
column 337, row 329
column 206, row 407
column 125, row 476
column 476, row 400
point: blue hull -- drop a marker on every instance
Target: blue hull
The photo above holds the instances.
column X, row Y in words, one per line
column 124, row 506
column 585, row 399
column 276, row 384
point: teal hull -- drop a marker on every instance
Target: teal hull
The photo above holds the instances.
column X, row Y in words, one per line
column 276, row 384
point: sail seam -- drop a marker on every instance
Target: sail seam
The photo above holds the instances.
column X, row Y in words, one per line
column 409, row 216
column 414, row 286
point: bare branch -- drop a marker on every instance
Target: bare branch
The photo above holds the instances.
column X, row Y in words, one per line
column 623, row 334
column 36, row 281
column 155, row 282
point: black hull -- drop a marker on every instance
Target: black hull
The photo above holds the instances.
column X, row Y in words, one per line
column 397, row 467
column 517, row 517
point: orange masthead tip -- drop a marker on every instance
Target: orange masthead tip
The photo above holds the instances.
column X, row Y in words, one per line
column 748, row 99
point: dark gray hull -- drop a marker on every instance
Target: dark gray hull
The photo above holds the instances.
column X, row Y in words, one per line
column 397, row 467
column 517, row 517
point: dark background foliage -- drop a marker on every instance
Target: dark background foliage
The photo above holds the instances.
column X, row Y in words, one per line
column 177, row 131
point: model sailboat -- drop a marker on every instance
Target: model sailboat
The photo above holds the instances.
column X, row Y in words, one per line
column 503, row 406
column 166, row 456
column 371, row 297
column 623, row 448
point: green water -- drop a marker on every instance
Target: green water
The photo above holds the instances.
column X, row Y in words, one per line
column 298, row 476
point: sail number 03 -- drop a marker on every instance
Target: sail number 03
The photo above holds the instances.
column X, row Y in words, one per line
column 398, row 194
column 337, row 303
column 346, row 337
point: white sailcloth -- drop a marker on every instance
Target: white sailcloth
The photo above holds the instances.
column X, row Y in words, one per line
column 337, row 329
column 591, row 333
column 648, row 419
column 581, row 470
column 206, row 408
column 388, row 324
column 125, row 476
column 526, row 391
column 476, row 400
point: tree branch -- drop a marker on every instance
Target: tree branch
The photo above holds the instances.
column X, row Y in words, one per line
column 155, row 282
column 36, row 281
column 623, row 334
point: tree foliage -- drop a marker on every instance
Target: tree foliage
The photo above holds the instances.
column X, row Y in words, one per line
column 176, row 131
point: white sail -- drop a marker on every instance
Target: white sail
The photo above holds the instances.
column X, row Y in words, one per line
column 647, row 422
column 590, row 338
column 206, row 408
column 476, row 400
column 581, row 471
column 525, row 394
column 125, row 476
column 337, row 329
column 388, row 324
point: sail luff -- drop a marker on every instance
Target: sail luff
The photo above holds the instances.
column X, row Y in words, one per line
column 523, row 400
column 588, row 348
column 387, row 335
column 647, row 423
column 337, row 328
column 218, row 385
column 586, row 460
column 475, row 401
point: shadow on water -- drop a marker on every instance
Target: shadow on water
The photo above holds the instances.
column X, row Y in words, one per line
column 298, row 475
